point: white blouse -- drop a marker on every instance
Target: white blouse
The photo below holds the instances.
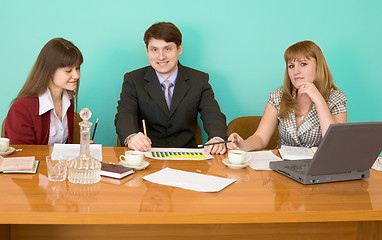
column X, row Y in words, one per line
column 58, row 130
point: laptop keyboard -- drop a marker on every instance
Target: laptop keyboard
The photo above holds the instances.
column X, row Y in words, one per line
column 297, row 168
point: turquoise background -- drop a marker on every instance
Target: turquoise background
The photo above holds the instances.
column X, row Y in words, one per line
column 239, row 43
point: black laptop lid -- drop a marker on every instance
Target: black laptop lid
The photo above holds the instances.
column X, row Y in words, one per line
column 347, row 147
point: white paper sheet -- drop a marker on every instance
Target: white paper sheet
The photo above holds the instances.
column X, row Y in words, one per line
column 73, row 150
column 259, row 160
column 179, row 150
column 377, row 164
column 189, row 180
column 297, row 153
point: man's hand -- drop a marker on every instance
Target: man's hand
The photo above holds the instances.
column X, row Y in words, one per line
column 216, row 148
column 139, row 142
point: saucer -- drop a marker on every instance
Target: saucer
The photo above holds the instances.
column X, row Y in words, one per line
column 143, row 165
column 233, row 166
column 9, row 151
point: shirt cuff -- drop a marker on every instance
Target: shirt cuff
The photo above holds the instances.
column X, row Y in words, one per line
column 221, row 139
column 126, row 142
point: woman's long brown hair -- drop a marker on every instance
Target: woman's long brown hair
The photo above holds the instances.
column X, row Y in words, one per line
column 57, row 53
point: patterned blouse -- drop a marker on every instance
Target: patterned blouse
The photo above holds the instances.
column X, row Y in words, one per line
column 309, row 133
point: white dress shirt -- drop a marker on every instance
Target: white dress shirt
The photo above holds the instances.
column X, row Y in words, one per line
column 58, row 130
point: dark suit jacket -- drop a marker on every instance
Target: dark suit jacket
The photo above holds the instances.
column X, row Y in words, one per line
column 23, row 125
column 142, row 98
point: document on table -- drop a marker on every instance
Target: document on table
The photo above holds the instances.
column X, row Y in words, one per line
column 178, row 154
column 297, row 153
column 16, row 163
column 259, row 160
column 73, row 150
column 189, row 180
column 377, row 164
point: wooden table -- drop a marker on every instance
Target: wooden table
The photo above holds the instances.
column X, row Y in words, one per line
column 262, row 204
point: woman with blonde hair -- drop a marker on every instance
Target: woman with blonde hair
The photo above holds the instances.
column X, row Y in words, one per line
column 43, row 111
column 304, row 107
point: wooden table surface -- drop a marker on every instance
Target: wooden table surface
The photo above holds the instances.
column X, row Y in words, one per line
column 256, row 197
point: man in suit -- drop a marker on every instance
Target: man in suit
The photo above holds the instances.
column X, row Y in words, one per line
column 168, row 96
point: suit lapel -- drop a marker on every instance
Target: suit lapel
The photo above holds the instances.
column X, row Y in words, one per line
column 180, row 90
column 154, row 89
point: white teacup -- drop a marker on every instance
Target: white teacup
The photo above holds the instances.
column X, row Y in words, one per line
column 4, row 144
column 132, row 158
column 237, row 157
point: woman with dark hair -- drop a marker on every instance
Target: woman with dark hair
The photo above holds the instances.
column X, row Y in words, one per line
column 304, row 107
column 43, row 111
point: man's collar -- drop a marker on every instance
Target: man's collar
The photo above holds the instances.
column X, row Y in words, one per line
column 172, row 78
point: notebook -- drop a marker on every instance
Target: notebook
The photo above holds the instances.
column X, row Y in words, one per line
column 347, row 152
column 115, row 171
column 18, row 165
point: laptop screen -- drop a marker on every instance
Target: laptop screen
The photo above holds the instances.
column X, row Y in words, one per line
column 347, row 147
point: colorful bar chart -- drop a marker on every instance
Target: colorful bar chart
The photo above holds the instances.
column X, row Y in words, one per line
column 178, row 155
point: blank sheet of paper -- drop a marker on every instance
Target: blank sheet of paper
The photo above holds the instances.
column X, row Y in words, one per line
column 378, row 164
column 259, row 160
column 73, row 150
column 189, row 180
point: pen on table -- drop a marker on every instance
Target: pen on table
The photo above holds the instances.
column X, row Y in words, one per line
column 207, row 144
column 312, row 151
column 144, row 127
column 95, row 128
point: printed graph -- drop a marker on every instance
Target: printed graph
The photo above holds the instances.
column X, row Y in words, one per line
column 178, row 155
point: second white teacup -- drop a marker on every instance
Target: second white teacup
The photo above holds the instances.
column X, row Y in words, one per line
column 237, row 157
column 4, row 144
column 132, row 158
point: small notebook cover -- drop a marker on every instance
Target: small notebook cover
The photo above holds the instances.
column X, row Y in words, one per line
column 115, row 171
column 33, row 170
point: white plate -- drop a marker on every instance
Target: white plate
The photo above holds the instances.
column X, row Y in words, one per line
column 140, row 167
column 228, row 164
column 9, row 151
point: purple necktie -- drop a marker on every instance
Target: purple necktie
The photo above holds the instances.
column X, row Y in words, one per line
column 167, row 93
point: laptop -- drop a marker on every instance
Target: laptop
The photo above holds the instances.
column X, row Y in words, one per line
column 347, row 152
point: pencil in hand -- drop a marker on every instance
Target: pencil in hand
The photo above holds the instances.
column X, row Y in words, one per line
column 207, row 144
column 144, row 127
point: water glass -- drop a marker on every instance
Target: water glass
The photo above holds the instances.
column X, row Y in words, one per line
column 57, row 168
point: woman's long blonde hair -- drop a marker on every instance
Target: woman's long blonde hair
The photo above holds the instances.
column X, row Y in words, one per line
column 323, row 82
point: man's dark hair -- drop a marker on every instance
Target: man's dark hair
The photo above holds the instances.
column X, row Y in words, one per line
column 163, row 31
